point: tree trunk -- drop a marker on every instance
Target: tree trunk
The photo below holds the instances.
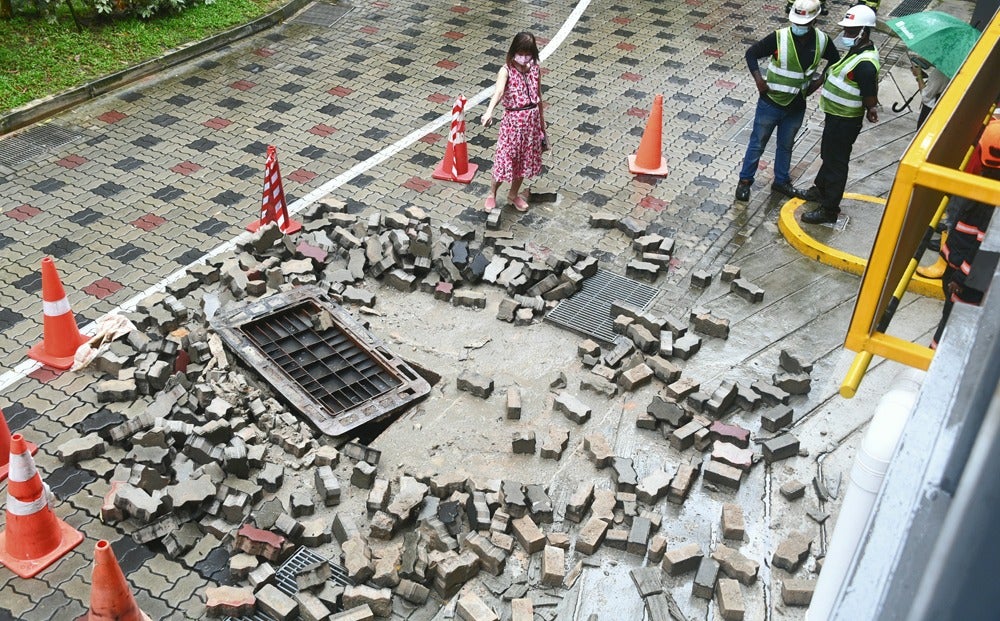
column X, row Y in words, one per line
column 6, row 10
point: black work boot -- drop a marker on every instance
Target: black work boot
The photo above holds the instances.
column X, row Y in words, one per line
column 821, row 215
column 812, row 194
column 743, row 190
column 787, row 189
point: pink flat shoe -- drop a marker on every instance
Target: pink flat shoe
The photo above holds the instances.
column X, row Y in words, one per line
column 519, row 203
column 490, row 204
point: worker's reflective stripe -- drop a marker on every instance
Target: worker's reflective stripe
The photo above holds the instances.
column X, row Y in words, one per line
column 966, row 268
column 844, row 85
column 21, row 467
column 54, row 309
column 21, row 507
column 787, row 73
column 850, row 103
column 784, row 89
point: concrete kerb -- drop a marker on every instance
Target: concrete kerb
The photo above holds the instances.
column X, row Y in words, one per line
column 843, row 261
column 45, row 107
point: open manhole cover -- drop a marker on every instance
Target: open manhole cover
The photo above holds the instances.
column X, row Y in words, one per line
column 319, row 359
column 284, row 580
column 588, row 311
column 321, row 14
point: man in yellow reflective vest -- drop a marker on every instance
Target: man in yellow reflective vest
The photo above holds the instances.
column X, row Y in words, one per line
column 796, row 52
column 850, row 94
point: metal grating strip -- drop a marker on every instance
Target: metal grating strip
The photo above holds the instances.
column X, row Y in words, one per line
column 909, row 7
column 35, row 142
column 321, row 14
column 588, row 311
column 284, row 580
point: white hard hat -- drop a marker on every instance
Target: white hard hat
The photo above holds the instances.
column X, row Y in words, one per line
column 859, row 15
column 804, row 11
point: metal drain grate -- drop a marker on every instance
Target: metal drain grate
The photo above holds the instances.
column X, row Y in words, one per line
column 321, row 14
column 284, row 580
column 909, row 7
column 588, row 311
column 35, row 142
column 329, row 367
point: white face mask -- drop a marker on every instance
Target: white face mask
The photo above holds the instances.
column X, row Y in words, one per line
column 522, row 59
column 799, row 30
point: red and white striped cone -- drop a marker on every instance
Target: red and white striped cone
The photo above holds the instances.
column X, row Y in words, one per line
column 61, row 336
column 455, row 166
column 273, row 207
column 5, row 447
column 34, row 538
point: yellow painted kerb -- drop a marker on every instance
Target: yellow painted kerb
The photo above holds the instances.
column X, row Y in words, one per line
column 814, row 249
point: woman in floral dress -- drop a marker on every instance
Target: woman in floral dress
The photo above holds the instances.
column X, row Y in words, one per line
column 522, row 128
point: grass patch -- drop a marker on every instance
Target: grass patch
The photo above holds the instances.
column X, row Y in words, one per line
column 40, row 58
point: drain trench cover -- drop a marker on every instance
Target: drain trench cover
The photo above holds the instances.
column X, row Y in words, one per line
column 284, row 579
column 588, row 311
column 319, row 359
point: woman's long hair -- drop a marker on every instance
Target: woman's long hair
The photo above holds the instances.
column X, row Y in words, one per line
column 523, row 43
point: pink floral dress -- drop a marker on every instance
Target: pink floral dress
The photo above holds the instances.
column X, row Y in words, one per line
column 519, row 141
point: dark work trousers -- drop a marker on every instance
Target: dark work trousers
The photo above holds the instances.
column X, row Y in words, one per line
column 965, row 294
column 839, row 134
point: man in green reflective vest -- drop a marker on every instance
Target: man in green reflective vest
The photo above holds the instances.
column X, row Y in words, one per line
column 792, row 74
column 850, row 93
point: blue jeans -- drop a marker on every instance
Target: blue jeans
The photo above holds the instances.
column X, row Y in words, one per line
column 767, row 117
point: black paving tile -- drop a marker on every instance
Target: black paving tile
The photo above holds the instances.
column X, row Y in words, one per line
column 9, row 318
column 5, row 241
column 32, row 283
column 18, row 417
column 291, row 88
column 375, row 134
column 331, row 109
column 168, row 193
column 203, row 145
column 211, row 226
column 254, row 68
column 131, row 555
column 594, row 198
column 180, row 100
column 128, row 164
column 227, row 198
column 443, row 80
column 60, row 248
column 131, row 96
column 361, row 181
column 215, row 566
column 256, row 148
column 100, row 422
column 230, row 103
column 108, row 189
column 311, row 55
column 348, row 74
column 146, row 142
column 127, row 253
column 281, row 106
column 194, row 81
column 190, row 256
column 589, row 128
column 85, row 216
column 47, row 186
column 424, row 159
column 243, row 172
column 301, row 71
column 270, row 126
column 313, row 152
column 68, row 480
column 389, row 94
column 385, row 113
column 164, row 120
column 208, row 65
column 395, row 77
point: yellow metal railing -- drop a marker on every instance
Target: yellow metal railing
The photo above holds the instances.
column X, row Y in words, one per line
column 929, row 172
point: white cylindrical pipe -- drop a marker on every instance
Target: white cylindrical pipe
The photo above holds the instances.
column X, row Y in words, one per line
column 870, row 465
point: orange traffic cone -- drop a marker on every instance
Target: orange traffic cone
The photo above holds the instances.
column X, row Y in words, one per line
column 61, row 336
column 649, row 159
column 273, row 207
column 5, row 447
column 455, row 166
column 34, row 537
column 111, row 596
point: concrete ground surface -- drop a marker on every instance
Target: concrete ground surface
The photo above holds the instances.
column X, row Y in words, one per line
column 169, row 169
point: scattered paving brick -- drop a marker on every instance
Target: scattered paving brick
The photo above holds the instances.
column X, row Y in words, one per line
column 793, row 489
column 730, row 600
column 733, row 525
column 772, row 395
column 681, row 484
column 378, row 600
column 475, row 384
column 722, row 474
column 513, row 403
column 781, row 447
column 527, row 533
column 797, row 592
column 579, row 503
column 523, row 442
column 553, row 566
column 471, row 608
column 729, row 273
column 709, row 325
column 730, row 433
column 793, row 363
column 705, row 578
column 700, row 279
column 522, row 609
column 231, row 601
column 591, row 536
column 555, row 444
column 735, row 565
column 275, row 603
column 792, row 552
column 572, row 408
column 747, row 290
column 598, row 450
column 623, row 474
column 792, row 383
column 776, row 418
column 681, row 560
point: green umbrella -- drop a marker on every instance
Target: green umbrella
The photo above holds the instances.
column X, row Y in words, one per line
column 943, row 40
